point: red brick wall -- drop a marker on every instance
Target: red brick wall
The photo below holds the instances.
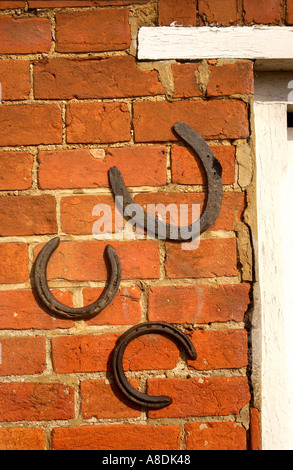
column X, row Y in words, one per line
column 74, row 103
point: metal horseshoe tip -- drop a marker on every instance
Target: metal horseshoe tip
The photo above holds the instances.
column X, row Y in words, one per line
column 63, row 311
column 213, row 172
column 142, row 399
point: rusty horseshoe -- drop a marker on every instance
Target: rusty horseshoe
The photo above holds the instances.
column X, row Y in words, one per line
column 63, row 311
column 142, row 399
column 213, row 172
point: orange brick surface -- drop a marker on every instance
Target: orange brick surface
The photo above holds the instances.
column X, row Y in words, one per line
column 24, row 35
column 94, row 31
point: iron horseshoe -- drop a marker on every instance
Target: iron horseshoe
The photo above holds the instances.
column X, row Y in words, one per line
column 142, row 399
column 213, row 170
column 63, row 311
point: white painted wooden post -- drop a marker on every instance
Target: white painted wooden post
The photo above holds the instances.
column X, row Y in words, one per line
column 271, row 156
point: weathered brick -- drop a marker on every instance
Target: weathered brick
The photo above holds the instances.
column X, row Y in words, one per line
column 183, row 12
column 97, row 123
column 27, row 215
column 22, row 355
column 7, row 4
column 15, row 170
column 82, row 168
column 91, row 353
column 217, row 396
column 85, row 260
column 289, row 12
column 198, row 304
column 117, row 437
column 77, row 213
column 232, row 208
column 24, row 35
column 216, row 119
column 185, row 82
column 108, row 77
column 22, row 439
column 30, row 125
column 125, row 308
column 231, row 79
column 111, row 404
column 13, row 263
column 21, row 310
column 215, row 436
column 15, row 79
column 225, row 349
column 263, row 11
column 219, row 12
column 150, row 352
column 93, row 31
column 213, row 258
column 82, row 353
column 35, row 401
column 80, row 3
column 187, row 169
column 255, row 430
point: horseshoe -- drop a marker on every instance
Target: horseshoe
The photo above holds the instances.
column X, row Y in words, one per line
column 213, row 170
column 63, row 311
column 142, row 399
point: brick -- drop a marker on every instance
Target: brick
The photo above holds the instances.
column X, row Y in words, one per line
column 198, row 304
column 111, row 404
column 231, row 79
column 213, row 258
column 263, row 11
column 23, row 356
column 24, row 35
column 82, row 353
column 215, row 436
column 219, row 12
column 21, row 310
column 84, row 261
column 30, row 125
column 225, row 349
column 93, row 31
column 233, row 205
column 80, row 3
column 83, row 168
column 15, row 79
column 76, row 213
column 217, row 396
column 97, row 123
column 255, row 431
column 35, row 401
column 13, row 263
column 183, row 12
column 185, row 82
column 108, row 77
column 90, row 353
column 27, row 215
column 7, row 4
column 125, row 308
column 187, row 168
column 22, row 439
column 117, row 437
column 150, row 352
column 15, row 170
column 217, row 119
column 289, row 13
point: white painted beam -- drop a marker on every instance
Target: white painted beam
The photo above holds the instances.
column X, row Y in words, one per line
column 192, row 43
